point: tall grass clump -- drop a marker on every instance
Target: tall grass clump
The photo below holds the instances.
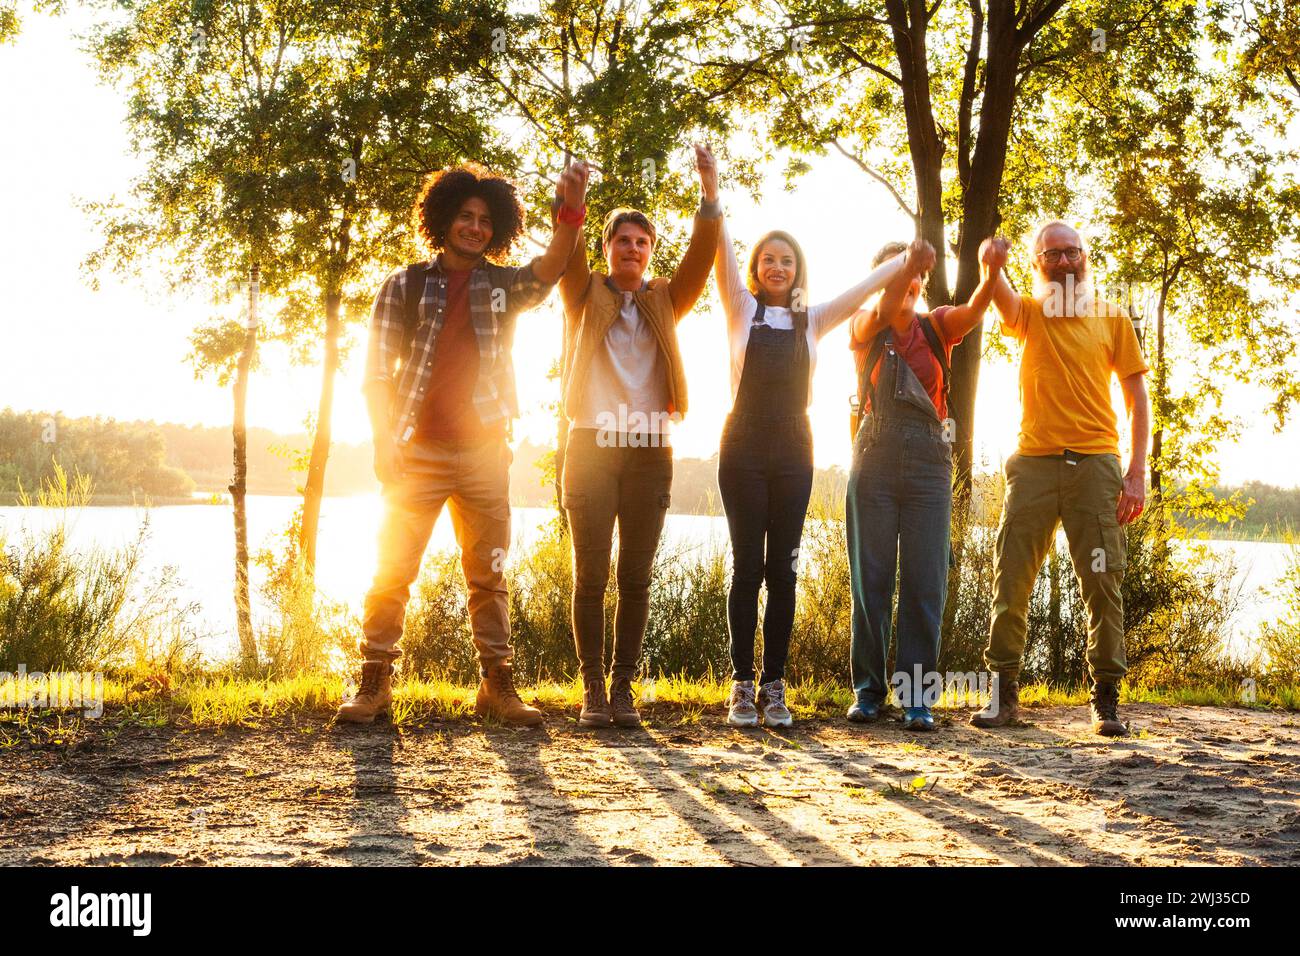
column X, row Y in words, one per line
column 1279, row 641
column 687, row 631
column 304, row 633
column 819, row 642
column 85, row 608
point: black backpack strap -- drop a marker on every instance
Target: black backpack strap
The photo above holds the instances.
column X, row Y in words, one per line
column 759, row 312
column 932, row 337
column 413, row 291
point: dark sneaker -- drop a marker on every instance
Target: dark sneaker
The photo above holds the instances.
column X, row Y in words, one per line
column 771, row 703
column 498, row 698
column 373, row 698
column 741, row 711
column 1105, row 711
column 595, row 707
column 918, row 718
column 865, row 710
column 620, row 703
column 1004, row 709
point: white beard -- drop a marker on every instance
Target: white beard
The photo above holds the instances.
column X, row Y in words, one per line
column 1072, row 298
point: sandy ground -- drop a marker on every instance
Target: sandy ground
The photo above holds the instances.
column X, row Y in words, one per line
column 1198, row 785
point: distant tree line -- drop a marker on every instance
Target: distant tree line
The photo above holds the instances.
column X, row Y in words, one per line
column 122, row 458
column 168, row 460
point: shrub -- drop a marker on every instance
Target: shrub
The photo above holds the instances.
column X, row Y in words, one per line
column 305, row 633
column 85, row 609
column 1279, row 641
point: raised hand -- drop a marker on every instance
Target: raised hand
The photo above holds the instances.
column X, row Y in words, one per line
column 572, row 187
column 707, row 167
column 920, row 257
column 993, row 253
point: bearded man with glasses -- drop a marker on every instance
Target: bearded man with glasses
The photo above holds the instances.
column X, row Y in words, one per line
column 1066, row 469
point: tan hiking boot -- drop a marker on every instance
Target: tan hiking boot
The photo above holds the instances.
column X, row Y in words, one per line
column 595, row 708
column 620, row 702
column 1105, row 711
column 497, row 696
column 373, row 697
column 1004, row 709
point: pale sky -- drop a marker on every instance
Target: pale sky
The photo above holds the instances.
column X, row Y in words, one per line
column 120, row 352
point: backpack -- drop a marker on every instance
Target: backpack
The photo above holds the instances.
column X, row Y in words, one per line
column 416, row 273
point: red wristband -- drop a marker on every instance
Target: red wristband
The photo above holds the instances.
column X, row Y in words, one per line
column 572, row 217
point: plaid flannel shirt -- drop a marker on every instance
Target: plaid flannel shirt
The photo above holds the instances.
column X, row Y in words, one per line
column 496, row 295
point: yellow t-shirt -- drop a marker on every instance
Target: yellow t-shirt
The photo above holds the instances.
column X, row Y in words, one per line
column 1065, row 367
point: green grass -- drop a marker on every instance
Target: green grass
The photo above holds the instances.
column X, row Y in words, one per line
column 214, row 701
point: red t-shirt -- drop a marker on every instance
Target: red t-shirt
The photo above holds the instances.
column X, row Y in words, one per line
column 448, row 410
column 916, row 351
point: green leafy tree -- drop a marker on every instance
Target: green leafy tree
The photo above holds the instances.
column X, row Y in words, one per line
column 942, row 105
column 288, row 138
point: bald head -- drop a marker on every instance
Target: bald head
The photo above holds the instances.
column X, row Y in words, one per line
column 1055, row 234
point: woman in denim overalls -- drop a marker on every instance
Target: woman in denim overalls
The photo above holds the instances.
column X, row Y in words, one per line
column 899, row 502
column 765, row 464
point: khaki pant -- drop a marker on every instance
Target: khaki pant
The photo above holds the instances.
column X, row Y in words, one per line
column 1082, row 497
column 473, row 478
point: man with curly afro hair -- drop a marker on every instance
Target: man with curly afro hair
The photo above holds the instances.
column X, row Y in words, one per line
column 440, row 387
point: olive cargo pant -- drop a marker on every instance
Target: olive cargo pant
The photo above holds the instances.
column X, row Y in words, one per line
column 1082, row 496
column 473, row 478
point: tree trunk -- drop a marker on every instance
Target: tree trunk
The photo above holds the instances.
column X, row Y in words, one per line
column 907, row 22
column 1054, row 614
column 314, row 489
column 980, row 219
column 239, row 486
column 1159, row 404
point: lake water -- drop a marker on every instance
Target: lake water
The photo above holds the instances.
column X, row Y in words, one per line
column 199, row 541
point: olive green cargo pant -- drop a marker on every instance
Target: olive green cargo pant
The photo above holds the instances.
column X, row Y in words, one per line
column 1082, row 496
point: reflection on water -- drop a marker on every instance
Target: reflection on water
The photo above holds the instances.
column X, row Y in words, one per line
column 199, row 541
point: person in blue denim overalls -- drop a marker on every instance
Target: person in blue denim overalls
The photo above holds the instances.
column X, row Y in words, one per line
column 899, row 501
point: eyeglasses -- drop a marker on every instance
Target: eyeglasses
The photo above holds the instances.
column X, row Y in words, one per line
column 1072, row 253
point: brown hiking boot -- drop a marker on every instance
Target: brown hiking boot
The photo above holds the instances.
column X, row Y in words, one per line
column 1003, row 710
column 1105, row 711
column 373, row 697
column 620, row 702
column 497, row 696
column 595, row 708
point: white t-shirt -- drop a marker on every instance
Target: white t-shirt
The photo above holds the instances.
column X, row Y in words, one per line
column 627, row 383
column 740, row 305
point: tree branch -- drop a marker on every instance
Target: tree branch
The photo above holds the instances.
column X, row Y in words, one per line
column 879, row 177
column 855, row 55
column 967, row 102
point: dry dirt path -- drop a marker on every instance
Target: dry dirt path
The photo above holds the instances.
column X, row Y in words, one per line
column 1199, row 785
